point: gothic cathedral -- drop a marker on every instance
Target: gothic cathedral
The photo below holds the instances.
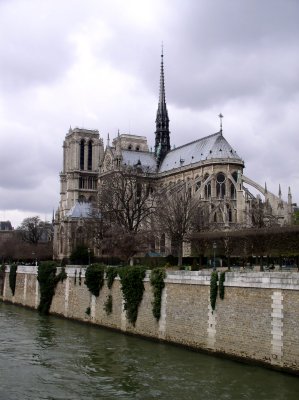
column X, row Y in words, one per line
column 210, row 167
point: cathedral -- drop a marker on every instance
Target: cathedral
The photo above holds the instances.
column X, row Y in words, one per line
column 210, row 167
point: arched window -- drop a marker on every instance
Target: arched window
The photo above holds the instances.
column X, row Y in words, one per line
column 208, row 190
column 138, row 190
column 152, row 244
column 230, row 215
column 220, row 185
column 81, row 199
column 235, row 176
column 82, row 145
column 232, row 191
column 79, row 236
column 89, row 161
column 197, row 183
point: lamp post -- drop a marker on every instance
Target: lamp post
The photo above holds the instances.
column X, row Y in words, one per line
column 34, row 257
column 214, row 250
column 88, row 250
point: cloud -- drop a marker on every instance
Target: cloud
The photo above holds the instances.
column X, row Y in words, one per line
column 96, row 64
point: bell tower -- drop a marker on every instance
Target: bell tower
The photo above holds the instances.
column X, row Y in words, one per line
column 82, row 154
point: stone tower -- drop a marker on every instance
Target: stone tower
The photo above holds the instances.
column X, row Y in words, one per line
column 82, row 154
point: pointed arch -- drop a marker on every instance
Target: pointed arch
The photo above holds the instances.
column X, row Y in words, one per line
column 220, row 185
column 89, row 158
column 82, row 146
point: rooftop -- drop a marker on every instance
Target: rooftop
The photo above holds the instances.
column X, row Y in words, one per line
column 211, row 147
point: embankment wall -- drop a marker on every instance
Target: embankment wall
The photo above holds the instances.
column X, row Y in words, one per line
column 258, row 319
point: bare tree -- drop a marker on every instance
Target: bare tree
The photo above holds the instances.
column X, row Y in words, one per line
column 121, row 218
column 177, row 214
column 262, row 214
column 31, row 229
column 127, row 196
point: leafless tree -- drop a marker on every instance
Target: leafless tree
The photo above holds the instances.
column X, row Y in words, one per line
column 121, row 217
column 262, row 215
column 14, row 248
column 177, row 215
column 31, row 229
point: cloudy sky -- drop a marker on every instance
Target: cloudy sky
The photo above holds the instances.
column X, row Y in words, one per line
column 95, row 64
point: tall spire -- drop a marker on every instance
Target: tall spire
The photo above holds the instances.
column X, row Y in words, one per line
column 162, row 142
column 289, row 196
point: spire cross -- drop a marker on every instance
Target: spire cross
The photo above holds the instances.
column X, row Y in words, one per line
column 220, row 116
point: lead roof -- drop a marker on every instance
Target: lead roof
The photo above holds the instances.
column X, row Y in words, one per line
column 211, row 147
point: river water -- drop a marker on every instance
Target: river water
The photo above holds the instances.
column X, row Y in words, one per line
column 53, row 358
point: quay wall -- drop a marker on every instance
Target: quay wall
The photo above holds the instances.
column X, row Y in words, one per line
column 257, row 321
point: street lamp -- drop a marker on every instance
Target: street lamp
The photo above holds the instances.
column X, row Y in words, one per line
column 214, row 250
column 34, row 257
column 88, row 250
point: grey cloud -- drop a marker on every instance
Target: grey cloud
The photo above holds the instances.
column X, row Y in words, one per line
column 216, row 50
column 232, row 56
column 38, row 200
column 35, row 44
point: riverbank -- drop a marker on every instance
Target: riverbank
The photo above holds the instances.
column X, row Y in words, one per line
column 257, row 321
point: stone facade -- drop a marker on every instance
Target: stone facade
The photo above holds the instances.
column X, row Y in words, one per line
column 258, row 320
column 209, row 167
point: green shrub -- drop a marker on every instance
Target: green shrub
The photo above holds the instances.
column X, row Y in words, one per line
column 221, row 285
column 94, row 278
column 132, row 288
column 157, row 282
column 111, row 274
column 47, row 278
column 213, row 289
column 13, row 278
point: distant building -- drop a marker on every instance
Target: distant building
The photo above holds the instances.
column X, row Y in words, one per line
column 209, row 165
column 5, row 226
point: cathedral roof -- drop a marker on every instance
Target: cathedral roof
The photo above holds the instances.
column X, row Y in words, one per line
column 211, row 147
column 145, row 158
column 80, row 210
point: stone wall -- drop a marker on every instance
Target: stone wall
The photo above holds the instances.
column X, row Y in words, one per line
column 258, row 320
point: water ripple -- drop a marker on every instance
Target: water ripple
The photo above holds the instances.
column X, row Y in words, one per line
column 47, row 358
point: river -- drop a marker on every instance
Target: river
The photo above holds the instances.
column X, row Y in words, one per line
column 52, row 358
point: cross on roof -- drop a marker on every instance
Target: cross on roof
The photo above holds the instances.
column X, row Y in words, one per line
column 220, row 116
